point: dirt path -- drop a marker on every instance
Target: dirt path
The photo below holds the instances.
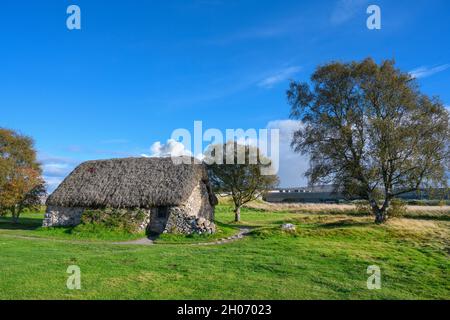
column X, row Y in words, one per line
column 144, row 242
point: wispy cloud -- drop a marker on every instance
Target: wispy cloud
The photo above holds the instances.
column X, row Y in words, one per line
column 262, row 32
column 231, row 84
column 425, row 71
column 110, row 151
column 345, row 10
column 55, row 169
column 269, row 29
column 279, row 76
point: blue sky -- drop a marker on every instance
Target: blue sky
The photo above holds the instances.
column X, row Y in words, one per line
column 137, row 70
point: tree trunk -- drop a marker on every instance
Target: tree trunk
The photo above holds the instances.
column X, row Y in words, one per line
column 237, row 214
column 15, row 215
column 380, row 215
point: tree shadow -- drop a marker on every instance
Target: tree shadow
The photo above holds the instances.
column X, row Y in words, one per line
column 6, row 223
column 347, row 223
column 437, row 217
column 232, row 224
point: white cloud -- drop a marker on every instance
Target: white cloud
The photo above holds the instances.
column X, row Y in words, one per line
column 279, row 76
column 345, row 10
column 287, row 128
column 171, row 148
column 292, row 165
column 424, row 71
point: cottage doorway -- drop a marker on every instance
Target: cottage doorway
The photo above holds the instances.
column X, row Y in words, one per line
column 158, row 219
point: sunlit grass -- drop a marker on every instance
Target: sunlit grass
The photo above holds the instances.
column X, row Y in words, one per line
column 326, row 258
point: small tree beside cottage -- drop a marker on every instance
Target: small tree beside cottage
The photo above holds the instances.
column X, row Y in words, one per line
column 240, row 170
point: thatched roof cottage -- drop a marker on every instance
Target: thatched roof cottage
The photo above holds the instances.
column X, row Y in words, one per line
column 175, row 197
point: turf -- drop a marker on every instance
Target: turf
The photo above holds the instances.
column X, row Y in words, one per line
column 327, row 258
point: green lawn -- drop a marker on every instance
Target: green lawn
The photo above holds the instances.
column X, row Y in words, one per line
column 326, row 258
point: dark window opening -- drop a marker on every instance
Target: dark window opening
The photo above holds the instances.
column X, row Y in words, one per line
column 162, row 212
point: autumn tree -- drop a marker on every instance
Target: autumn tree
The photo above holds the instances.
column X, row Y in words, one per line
column 369, row 130
column 240, row 170
column 21, row 183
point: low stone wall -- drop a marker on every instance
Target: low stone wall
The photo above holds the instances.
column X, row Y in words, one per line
column 62, row 216
column 196, row 215
column 179, row 222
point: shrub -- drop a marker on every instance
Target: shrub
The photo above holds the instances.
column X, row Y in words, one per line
column 363, row 207
column 117, row 219
column 397, row 208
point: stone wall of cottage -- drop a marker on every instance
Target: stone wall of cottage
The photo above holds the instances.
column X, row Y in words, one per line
column 196, row 215
column 62, row 216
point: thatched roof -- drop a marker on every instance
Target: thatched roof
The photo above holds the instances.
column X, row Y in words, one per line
column 129, row 183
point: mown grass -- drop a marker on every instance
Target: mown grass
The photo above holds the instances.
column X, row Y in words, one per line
column 326, row 258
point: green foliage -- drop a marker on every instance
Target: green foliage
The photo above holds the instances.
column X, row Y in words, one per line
column 4, row 212
column 249, row 176
column 21, row 182
column 397, row 208
column 115, row 219
column 367, row 127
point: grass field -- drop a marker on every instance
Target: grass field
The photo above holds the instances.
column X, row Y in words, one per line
column 326, row 258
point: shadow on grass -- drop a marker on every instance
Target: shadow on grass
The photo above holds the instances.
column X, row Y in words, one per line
column 348, row 223
column 436, row 217
column 6, row 223
column 232, row 224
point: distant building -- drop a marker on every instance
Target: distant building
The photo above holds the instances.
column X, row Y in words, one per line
column 316, row 194
column 326, row 194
